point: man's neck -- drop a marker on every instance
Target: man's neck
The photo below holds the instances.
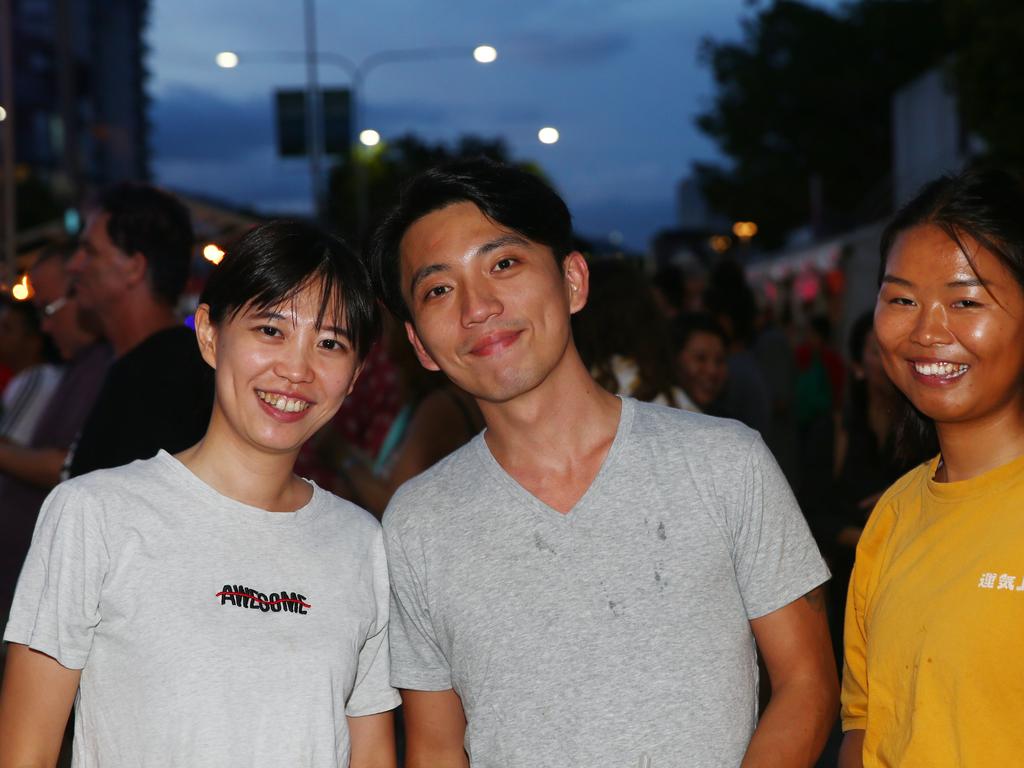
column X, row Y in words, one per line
column 130, row 322
column 562, row 418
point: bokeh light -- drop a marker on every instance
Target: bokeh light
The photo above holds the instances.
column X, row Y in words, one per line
column 227, row 59
column 548, row 135
column 20, row 290
column 485, row 54
column 213, row 253
column 369, row 137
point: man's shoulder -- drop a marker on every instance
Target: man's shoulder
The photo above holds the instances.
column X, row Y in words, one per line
column 440, row 490
column 170, row 345
column 686, row 430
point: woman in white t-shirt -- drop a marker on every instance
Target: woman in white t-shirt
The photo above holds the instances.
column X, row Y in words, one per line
column 211, row 608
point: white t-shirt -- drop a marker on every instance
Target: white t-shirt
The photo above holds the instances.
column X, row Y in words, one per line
column 24, row 400
column 208, row 632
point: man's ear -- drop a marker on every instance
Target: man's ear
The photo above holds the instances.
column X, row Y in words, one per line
column 135, row 267
column 577, row 280
column 206, row 335
column 421, row 352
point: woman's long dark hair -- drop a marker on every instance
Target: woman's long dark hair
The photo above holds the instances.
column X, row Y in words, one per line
column 986, row 205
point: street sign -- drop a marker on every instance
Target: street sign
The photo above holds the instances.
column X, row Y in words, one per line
column 290, row 114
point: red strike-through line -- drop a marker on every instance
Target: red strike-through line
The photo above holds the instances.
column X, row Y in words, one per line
column 261, row 600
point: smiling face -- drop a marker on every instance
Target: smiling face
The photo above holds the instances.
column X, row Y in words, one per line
column 278, row 377
column 702, row 367
column 949, row 334
column 490, row 308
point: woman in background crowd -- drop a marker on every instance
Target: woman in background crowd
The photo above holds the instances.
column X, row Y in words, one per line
column 624, row 339
column 700, row 358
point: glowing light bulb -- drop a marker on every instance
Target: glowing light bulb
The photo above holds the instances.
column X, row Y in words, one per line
column 213, row 254
column 485, row 54
column 548, row 135
column 20, row 291
column 226, row 59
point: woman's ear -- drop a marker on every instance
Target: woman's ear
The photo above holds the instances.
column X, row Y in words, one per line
column 206, row 335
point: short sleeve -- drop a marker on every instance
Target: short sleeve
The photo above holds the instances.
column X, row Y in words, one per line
column 56, row 604
column 372, row 692
column 854, row 696
column 775, row 556
column 855, row 684
column 417, row 661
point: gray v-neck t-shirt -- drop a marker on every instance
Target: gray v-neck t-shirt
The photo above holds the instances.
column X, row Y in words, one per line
column 618, row 630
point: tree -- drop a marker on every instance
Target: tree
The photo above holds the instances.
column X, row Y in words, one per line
column 388, row 165
column 988, row 73
column 803, row 103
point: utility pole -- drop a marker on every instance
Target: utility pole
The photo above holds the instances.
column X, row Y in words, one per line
column 7, row 126
column 313, row 111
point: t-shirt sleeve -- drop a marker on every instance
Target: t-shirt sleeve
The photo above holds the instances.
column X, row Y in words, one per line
column 854, row 697
column 372, row 692
column 417, row 661
column 775, row 555
column 57, row 602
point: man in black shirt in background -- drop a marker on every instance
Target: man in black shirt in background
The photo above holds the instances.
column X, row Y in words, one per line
column 130, row 269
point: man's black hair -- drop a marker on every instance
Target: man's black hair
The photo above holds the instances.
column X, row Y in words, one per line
column 272, row 263
column 511, row 197
column 150, row 221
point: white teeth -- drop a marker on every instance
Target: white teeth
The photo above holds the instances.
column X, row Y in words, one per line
column 945, row 370
column 282, row 403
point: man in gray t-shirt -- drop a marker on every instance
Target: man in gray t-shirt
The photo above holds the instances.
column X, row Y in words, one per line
column 583, row 584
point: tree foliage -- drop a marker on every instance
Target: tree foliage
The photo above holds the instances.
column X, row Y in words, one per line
column 988, row 73
column 803, row 100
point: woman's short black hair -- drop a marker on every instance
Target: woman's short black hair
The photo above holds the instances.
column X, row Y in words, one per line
column 986, row 205
column 274, row 262
column 511, row 197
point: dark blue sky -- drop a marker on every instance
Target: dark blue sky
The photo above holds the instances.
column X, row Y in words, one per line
column 620, row 79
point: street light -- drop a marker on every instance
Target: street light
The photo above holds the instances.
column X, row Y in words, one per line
column 369, row 137
column 357, row 72
column 485, row 54
column 548, row 135
column 226, row 59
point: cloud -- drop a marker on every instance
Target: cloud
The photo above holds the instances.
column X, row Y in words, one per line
column 419, row 115
column 637, row 220
column 190, row 123
column 581, row 50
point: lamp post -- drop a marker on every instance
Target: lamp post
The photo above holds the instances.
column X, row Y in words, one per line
column 357, row 73
column 7, row 141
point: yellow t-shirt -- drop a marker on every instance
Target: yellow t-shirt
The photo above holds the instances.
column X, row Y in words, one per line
column 934, row 638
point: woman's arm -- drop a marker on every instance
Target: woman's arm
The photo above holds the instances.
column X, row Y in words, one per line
column 373, row 741
column 35, row 703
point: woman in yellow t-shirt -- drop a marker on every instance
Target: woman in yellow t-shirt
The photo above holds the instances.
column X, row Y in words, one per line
column 934, row 672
